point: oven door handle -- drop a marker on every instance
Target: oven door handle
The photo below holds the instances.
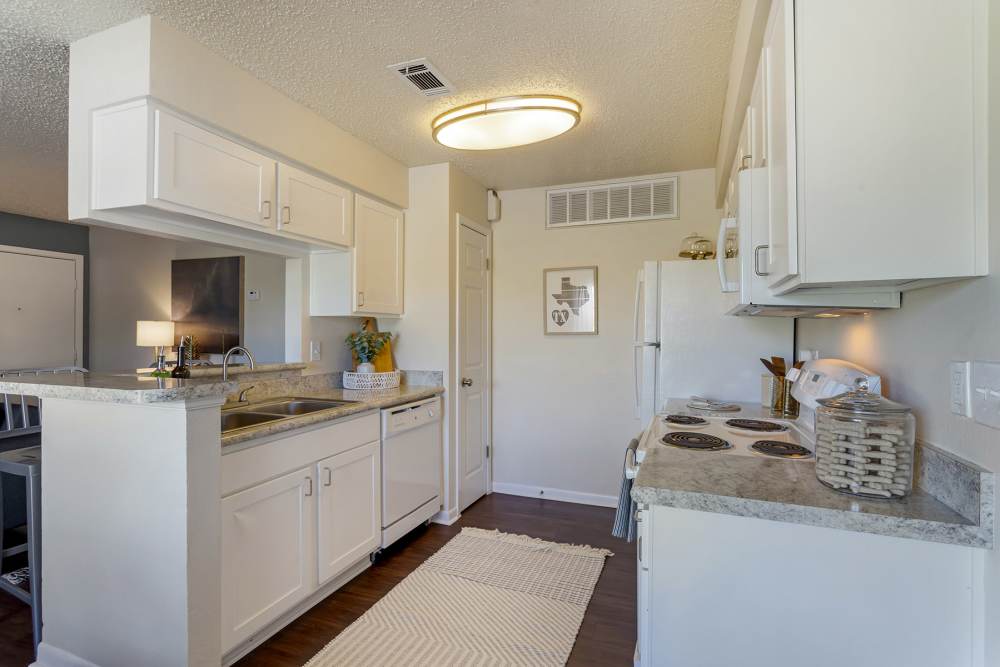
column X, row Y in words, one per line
column 631, row 468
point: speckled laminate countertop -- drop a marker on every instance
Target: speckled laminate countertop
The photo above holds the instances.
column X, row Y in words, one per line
column 116, row 387
column 789, row 491
column 365, row 401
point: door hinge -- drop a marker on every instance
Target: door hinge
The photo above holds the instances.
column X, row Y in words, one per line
column 488, row 451
column 487, row 263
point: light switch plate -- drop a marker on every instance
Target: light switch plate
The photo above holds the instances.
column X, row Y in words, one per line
column 959, row 390
column 315, row 350
column 986, row 393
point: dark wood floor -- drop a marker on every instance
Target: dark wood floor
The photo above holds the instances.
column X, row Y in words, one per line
column 607, row 636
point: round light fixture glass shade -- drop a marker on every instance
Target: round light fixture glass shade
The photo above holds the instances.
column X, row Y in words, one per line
column 506, row 122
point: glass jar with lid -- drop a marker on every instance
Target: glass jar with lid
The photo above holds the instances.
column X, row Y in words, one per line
column 696, row 246
column 864, row 444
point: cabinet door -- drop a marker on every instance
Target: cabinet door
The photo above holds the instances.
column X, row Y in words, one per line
column 314, row 208
column 758, row 115
column 211, row 176
column 268, row 553
column 744, row 147
column 782, row 257
column 378, row 258
column 349, row 515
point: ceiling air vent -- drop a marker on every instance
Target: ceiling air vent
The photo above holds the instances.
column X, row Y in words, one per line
column 621, row 201
column 424, row 76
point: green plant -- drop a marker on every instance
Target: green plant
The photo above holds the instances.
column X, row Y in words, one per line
column 366, row 345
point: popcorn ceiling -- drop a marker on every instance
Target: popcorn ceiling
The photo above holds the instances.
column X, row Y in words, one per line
column 651, row 76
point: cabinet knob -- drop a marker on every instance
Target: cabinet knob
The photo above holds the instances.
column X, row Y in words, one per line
column 466, row 382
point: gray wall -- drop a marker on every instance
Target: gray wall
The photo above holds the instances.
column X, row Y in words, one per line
column 24, row 232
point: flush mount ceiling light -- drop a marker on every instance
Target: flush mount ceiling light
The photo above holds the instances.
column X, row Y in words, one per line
column 505, row 122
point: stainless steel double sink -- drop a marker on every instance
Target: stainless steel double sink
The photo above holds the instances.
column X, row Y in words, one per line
column 279, row 409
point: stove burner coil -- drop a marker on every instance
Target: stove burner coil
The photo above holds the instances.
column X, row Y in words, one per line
column 685, row 420
column 756, row 425
column 700, row 441
column 779, row 449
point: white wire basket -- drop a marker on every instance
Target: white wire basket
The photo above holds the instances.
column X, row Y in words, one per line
column 388, row 380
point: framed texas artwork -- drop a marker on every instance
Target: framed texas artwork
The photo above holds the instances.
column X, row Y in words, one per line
column 570, row 300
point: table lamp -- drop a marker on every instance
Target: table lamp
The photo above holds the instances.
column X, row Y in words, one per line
column 158, row 334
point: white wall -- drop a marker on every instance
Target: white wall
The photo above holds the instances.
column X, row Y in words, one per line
column 912, row 347
column 130, row 280
column 563, row 405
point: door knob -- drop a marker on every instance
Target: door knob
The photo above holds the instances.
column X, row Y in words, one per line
column 466, row 382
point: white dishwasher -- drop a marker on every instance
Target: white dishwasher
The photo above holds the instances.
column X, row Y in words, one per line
column 411, row 467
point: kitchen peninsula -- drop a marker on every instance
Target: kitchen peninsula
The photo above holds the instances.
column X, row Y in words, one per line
column 132, row 482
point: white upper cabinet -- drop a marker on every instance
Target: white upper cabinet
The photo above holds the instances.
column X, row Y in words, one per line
column 158, row 171
column 378, row 257
column 779, row 59
column 210, row 176
column 369, row 279
column 314, row 208
column 876, row 148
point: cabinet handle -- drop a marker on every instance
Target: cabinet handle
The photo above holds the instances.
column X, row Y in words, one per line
column 329, row 476
column 756, row 260
column 361, row 299
column 309, row 486
column 287, row 211
column 267, row 209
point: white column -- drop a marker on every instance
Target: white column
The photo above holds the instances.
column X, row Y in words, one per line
column 130, row 534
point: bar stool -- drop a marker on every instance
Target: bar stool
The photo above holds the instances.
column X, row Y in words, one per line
column 25, row 463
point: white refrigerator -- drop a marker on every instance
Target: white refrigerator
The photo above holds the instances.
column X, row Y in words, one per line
column 686, row 345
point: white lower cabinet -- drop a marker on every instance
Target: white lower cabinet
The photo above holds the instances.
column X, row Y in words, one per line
column 297, row 512
column 268, row 553
column 349, row 509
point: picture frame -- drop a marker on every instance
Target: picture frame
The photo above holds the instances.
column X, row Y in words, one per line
column 570, row 301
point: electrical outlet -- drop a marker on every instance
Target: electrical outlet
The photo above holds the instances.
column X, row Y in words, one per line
column 315, row 350
column 961, row 401
column 985, row 393
column 253, row 295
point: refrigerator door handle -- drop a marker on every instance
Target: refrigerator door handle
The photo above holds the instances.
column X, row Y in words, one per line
column 636, row 352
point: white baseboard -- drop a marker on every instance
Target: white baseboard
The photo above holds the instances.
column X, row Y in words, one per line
column 50, row 656
column 447, row 517
column 547, row 493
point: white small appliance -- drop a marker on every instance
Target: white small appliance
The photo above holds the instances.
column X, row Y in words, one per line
column 685, row 344
column 745, row 274
column 411, row 467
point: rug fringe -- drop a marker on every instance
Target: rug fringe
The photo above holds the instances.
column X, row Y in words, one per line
column 527, row 540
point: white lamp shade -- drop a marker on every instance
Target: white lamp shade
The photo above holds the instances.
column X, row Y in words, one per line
column 154, row 333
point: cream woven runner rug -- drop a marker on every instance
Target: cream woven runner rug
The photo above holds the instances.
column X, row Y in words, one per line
column 485, row 598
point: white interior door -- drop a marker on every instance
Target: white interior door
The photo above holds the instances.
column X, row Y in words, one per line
column 41, row 307
column 473, row 365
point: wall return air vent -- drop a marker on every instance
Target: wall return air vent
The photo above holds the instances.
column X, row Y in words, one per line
column 622, row 201
column 424, row 77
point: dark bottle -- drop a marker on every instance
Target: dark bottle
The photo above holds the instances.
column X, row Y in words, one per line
column 181, row 370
